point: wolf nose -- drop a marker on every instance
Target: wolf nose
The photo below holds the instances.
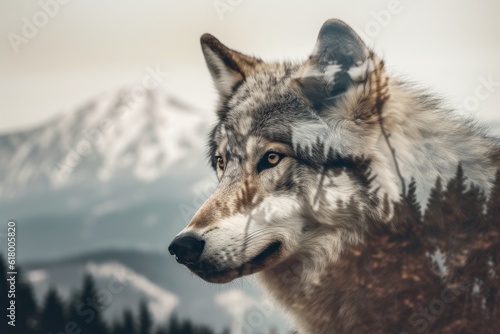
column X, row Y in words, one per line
column 186, row 248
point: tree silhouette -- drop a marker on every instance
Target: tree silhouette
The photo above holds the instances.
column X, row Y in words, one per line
column 52, row 318
column 433, row 211
column 145, row 320
column 394, row 287
column 492, row 300
column 454, row 200
column 129, row 324
column 86, row 309
column 117, row 328
column 493, row 205
column 26, row 310
column 414, row 213
column 174, row 324
column 396, row 275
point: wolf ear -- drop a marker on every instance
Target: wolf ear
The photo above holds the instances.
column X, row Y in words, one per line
column 325, row 75
column 227, row 67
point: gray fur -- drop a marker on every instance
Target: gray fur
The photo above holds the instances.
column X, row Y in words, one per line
column 324, row 116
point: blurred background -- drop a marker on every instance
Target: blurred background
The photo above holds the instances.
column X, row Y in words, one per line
column 106, row 107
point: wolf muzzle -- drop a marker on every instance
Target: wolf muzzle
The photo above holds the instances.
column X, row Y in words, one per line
column 187, row 248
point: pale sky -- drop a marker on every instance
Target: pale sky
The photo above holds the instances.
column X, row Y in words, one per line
column 91, row 47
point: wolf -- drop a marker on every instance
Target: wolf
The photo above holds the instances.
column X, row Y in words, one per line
column 292, row 143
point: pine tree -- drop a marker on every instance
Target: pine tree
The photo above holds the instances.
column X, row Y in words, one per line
column 86, row 309
column 187, row 327
column 162, row 330
column 75, row 306
column 145, row 320
column 117, row 328
column 457, row 185
column 493, row 205
column 454, row 198
column 26, row 310
column 415, row 215
column 129, row 326
column 468, row 255
column 453, row 209
column 492, row 300
column 52, row 318
column 174, row 325
column 474, row 211
column 434, row 210
column 434, row 223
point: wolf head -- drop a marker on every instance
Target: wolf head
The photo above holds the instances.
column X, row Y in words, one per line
column 293, row 151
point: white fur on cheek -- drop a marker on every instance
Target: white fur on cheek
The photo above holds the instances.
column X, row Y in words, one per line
column 275, row 218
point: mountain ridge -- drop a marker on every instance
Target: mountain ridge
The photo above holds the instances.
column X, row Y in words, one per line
column 105, row 138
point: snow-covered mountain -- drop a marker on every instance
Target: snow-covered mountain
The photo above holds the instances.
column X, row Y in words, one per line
column 124, row 134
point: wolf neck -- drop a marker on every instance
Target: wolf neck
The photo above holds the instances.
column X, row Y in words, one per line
column 312, row 296
column 431, row 142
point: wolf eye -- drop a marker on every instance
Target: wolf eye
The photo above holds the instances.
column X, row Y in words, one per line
column 273, row 158
column 269, row 160
column 220, row 162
